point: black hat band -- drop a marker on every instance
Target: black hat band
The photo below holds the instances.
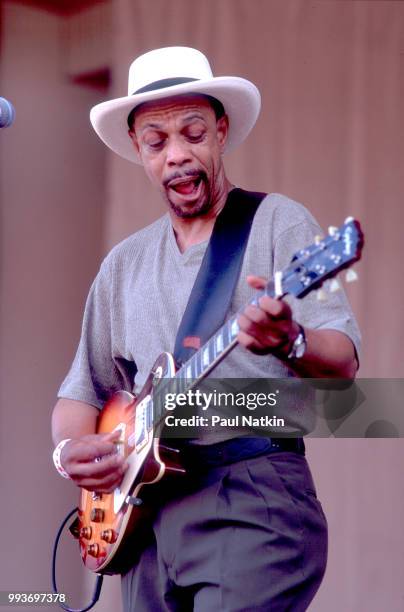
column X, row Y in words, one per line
column 162, row 83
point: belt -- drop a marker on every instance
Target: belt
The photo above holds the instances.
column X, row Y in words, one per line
column 236, row 449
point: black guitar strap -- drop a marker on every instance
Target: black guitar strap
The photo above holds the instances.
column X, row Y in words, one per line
column 215, row 283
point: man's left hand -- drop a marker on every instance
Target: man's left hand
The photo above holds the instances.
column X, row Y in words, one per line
column 268, row 327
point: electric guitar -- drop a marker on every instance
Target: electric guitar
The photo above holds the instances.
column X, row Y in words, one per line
column 110, row 526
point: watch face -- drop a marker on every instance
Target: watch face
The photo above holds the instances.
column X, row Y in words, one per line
column 300, row 348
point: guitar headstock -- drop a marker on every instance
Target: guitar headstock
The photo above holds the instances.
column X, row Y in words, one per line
column 324, row 259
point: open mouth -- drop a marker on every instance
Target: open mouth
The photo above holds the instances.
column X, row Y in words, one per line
column 186, row 186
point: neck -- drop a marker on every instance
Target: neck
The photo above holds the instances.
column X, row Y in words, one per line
column 194, row 230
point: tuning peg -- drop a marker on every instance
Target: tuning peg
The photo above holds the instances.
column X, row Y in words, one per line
column 321, row 295
column 332, row 230
column 317, row 239
column 351, row 276
column 334, row 285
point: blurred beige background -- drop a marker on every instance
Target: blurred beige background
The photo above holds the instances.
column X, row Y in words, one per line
column 330, row 135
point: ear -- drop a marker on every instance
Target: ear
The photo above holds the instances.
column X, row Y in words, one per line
column 134, row 140
column 222, row 126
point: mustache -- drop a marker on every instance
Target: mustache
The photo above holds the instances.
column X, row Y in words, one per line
column 192, row 173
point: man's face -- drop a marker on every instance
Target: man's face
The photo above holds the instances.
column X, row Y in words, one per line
column 180, row 144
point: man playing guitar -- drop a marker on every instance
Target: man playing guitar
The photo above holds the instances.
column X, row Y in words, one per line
column 244, row 531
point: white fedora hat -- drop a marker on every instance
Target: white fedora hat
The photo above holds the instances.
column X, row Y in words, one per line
column 173, row 71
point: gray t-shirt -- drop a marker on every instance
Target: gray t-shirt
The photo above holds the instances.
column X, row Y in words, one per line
column 137, row 300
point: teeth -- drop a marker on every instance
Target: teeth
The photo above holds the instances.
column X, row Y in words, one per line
column 185, row 187
column 183, row 182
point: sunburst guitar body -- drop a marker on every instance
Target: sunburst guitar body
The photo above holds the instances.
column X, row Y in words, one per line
column 112, row 526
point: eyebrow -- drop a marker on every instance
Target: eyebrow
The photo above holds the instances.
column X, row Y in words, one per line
column 192, row 116
column 159, row 127
column 153, row 126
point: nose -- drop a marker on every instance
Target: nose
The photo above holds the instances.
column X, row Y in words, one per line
column 177, row 152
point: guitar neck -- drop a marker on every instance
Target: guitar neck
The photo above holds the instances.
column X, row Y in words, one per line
column 208, row 356
column 218, row 346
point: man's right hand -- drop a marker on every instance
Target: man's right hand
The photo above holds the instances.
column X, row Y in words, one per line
column 92, row 462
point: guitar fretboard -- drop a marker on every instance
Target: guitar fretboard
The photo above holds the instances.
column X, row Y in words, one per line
column 215, row 349
column 207, row 357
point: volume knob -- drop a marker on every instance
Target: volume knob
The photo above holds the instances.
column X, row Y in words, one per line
column 109, row 535
column 93, row 550
column 85, row 532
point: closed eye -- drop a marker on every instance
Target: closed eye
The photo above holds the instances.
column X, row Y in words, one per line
column 192, row 137
column 155, row 144
column 153, row 139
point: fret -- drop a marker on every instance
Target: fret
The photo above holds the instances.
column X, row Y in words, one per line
column 211, row 344
column 218, row 342
column 234, row 328
column 194, row 366
column 198, row 364
column 190, row 369
column 205, row 355
column 226, row 334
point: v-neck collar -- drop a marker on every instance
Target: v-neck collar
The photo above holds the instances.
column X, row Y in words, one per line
column 184, row 257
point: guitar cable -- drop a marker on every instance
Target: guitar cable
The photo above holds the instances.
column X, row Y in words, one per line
column 98, row 582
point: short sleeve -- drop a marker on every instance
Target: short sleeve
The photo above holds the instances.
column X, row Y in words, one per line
column 98, row 370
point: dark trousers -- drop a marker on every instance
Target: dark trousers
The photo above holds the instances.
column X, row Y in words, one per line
column 250, row 536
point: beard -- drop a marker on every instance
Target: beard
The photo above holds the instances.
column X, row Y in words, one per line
column 197, row 208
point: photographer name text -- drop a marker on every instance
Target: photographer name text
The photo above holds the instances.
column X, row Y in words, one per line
column 217, row 421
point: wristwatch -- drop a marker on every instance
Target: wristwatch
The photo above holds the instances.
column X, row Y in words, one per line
column 299, row 345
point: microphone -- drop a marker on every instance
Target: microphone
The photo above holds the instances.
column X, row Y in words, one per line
column 7, row 113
